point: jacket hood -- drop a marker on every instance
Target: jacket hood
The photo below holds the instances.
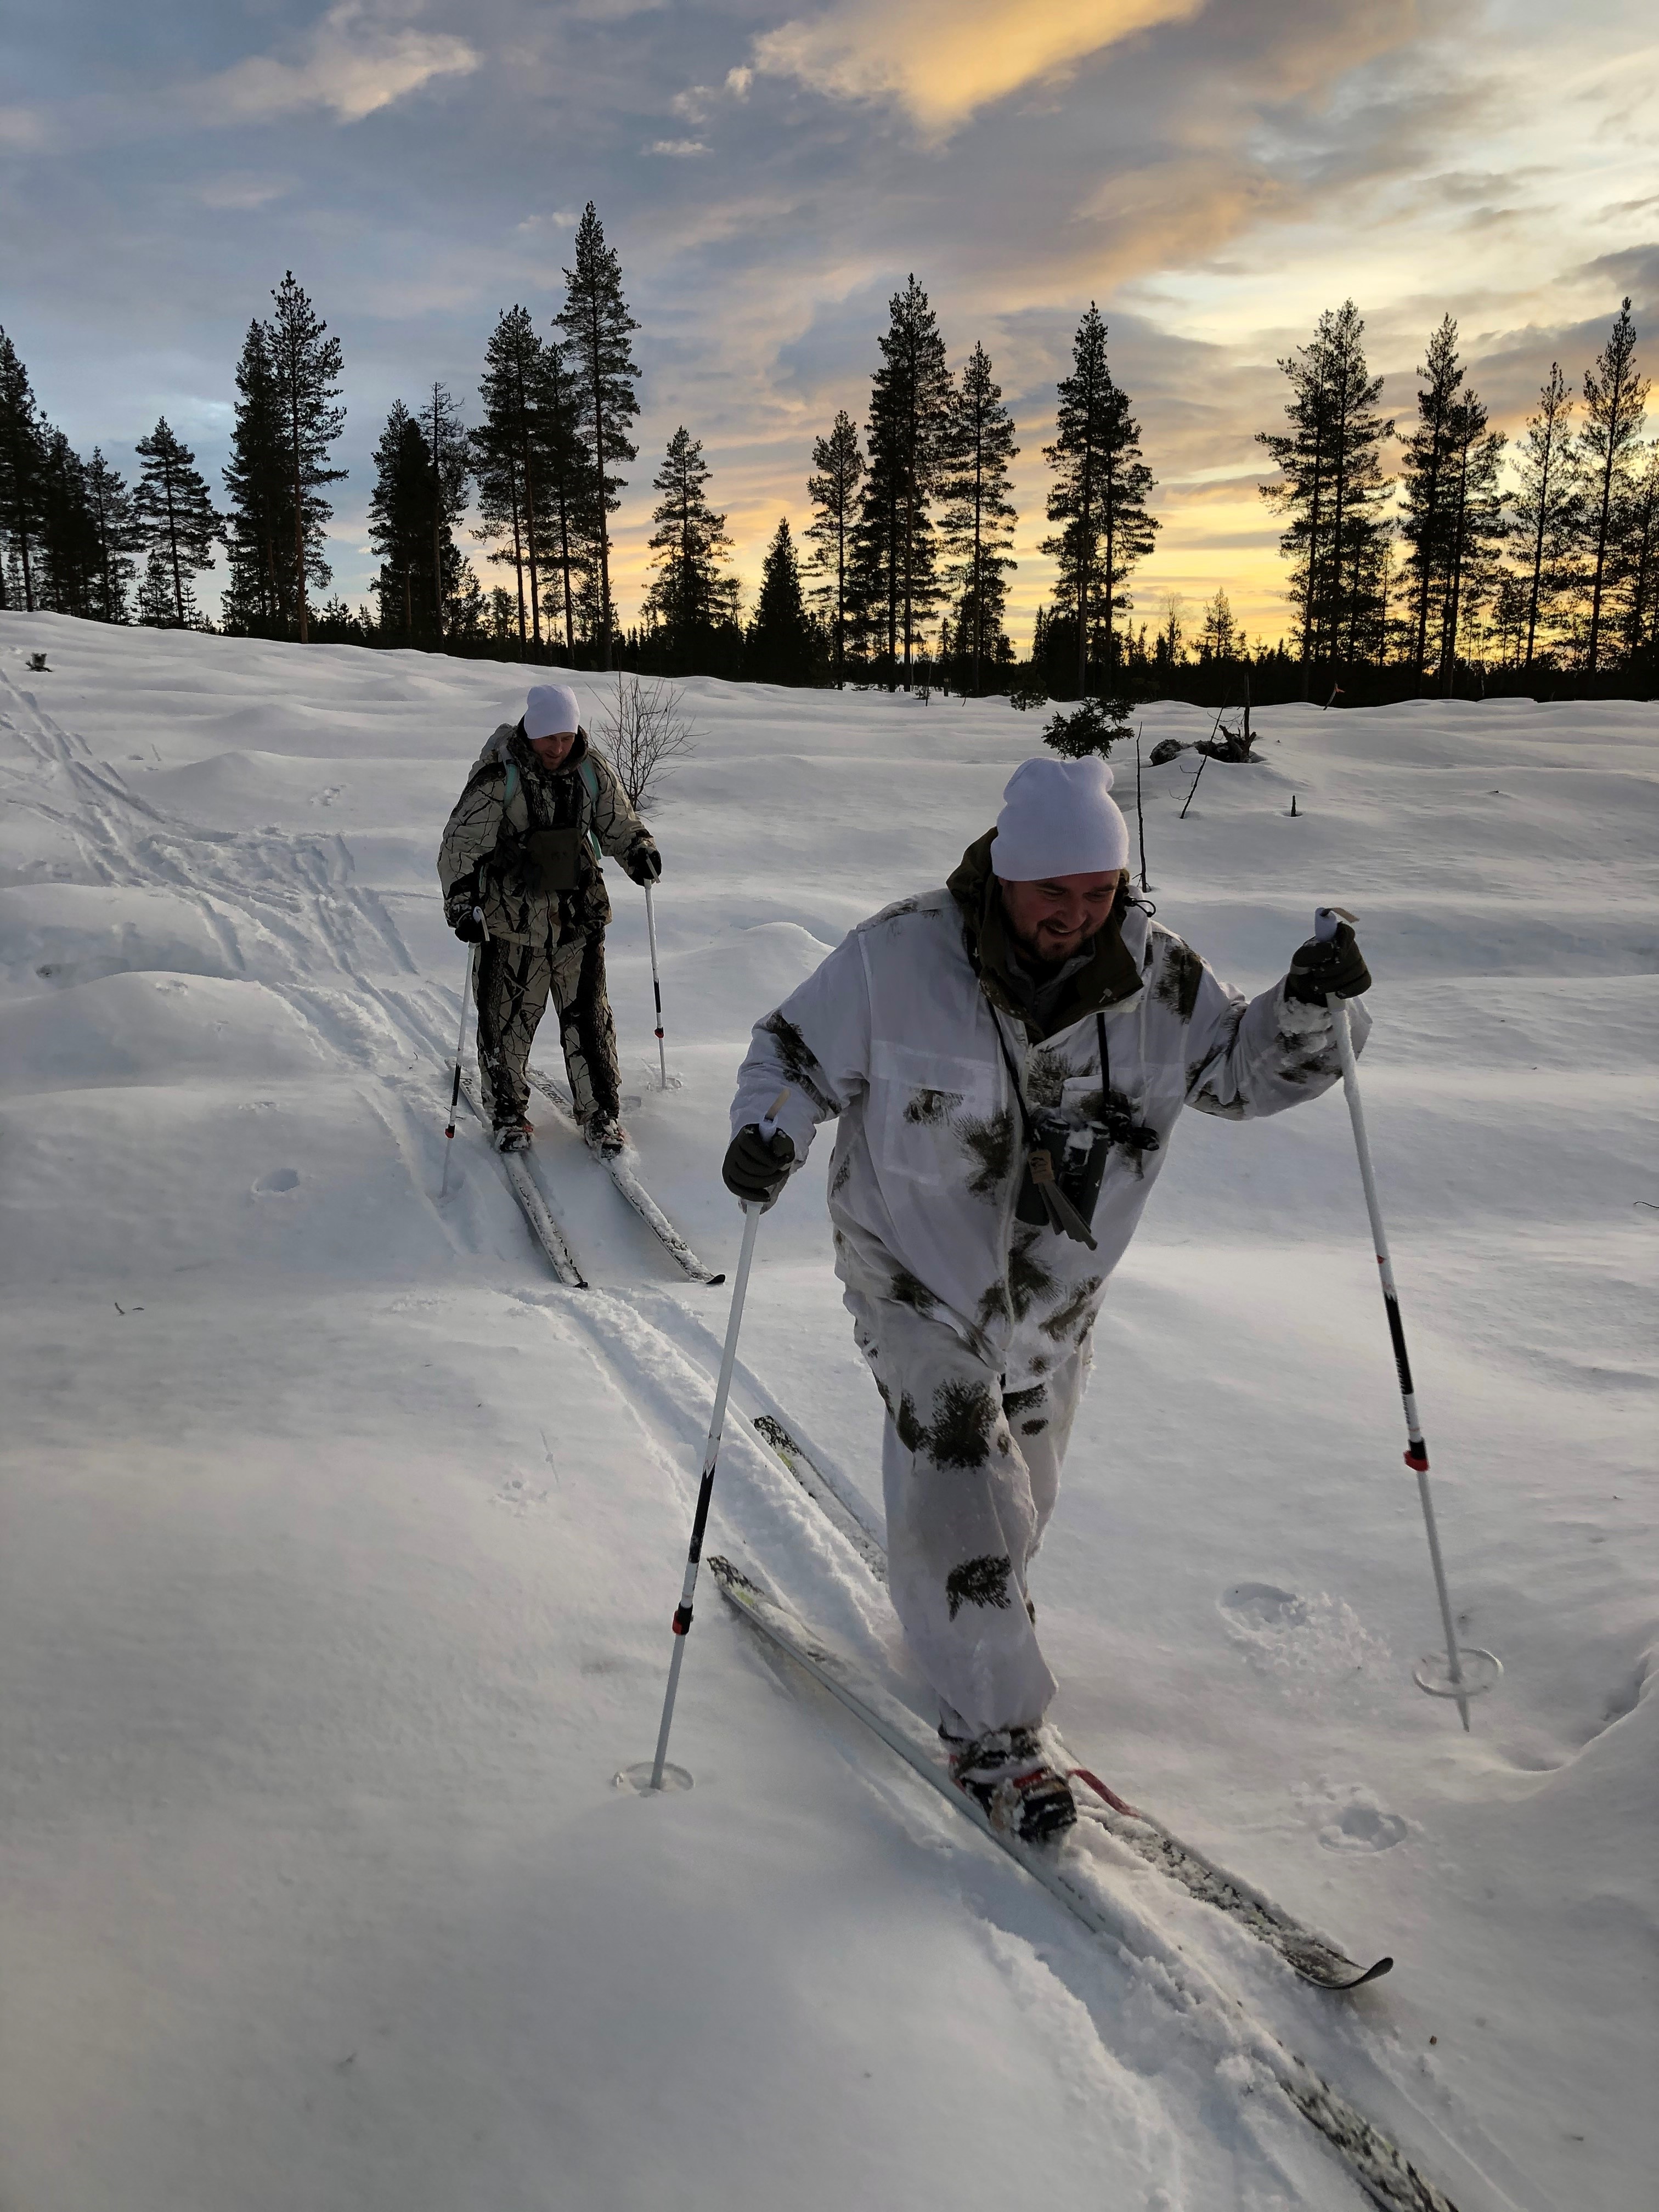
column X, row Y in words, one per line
column 1109, row 976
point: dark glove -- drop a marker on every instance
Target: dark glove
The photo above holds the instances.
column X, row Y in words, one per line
column 1328, row 968
column 756, row 1168
column 643, row 861
column 457, row 913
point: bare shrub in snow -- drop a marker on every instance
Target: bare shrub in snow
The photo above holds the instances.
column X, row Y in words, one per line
column 647, row 728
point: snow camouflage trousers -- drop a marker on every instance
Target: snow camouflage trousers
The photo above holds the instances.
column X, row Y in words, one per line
column 515, row 984
column 969, row 1477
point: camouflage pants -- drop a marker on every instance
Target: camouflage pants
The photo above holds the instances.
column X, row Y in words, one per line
column 969, row 1479
column 515, row 982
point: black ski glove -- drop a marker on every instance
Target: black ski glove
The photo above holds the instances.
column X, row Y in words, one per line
column 643, row 861
column 458, row 911
column 1331, row 967
column 756, row 1168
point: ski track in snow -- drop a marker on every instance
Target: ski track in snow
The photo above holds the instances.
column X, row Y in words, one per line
column 372, row 1725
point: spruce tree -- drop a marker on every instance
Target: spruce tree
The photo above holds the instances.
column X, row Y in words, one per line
column 1099, row 497
column 69, row 531
column 449, row 454
column 691, row 597
column 1331, row 487
column 909, row 413
column 1615, row 400
column 782, row 644
column 306, row 366
column 1548, row 507
column 1474, row 526
column 402, row 508
column 117, row 535
column 597, row 323
column 838, row 466
column 22, row 459
column 259, row 595
column 569, row 505
column 1428, row 483
column 175, row 512
column 504, row 457
column 160, row 599
column 1638, row 542
column 977, row 524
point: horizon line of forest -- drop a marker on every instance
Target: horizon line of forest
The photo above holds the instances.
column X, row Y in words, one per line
column 1486, row 563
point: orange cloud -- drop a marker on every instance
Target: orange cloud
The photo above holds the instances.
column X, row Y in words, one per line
column 944, row 58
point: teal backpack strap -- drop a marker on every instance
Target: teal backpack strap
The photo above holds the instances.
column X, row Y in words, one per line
column 590, row 776
column 512, row 791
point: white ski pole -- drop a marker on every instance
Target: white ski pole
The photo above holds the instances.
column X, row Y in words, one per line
column 460, row 1047
column 1457, row 1683
column 752, row 1212
column 656, row 985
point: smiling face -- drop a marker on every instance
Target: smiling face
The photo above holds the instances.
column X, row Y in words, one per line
column 1053, row 919
column 553, row 751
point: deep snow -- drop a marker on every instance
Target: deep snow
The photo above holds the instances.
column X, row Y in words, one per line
column 339, row 1544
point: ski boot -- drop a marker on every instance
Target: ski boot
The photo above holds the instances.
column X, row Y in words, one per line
column 513, row 1136
column 605, row 1134
column 1009, row 1774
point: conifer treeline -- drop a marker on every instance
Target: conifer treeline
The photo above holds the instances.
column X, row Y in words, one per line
column 1541, row 560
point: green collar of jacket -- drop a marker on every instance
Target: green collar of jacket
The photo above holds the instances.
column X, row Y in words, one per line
column 1109, row 976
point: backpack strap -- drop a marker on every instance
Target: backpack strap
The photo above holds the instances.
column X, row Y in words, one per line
column 590, row 776
column 512, row 791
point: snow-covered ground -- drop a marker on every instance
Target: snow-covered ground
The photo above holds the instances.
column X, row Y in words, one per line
column 339, row 1544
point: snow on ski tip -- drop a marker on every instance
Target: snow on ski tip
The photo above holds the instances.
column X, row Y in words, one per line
column 1064, row 1868
column 619, row 1166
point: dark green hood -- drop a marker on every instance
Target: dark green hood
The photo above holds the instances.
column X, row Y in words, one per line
column 1110, row 975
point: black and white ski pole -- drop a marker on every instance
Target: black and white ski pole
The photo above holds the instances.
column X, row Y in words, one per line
column 752, row 1211
column 656, row 985
column 460, row 1047
column 1458, row 1682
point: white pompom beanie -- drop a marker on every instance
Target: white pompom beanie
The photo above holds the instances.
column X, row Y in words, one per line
column 551, row 710
column 1059, row 818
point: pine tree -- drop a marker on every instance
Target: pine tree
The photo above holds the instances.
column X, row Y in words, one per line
column 838, row 466
column 22, row 459
column 782, row 646
column 504, row 454
column 1331, row 485
column 1548, row 505
column 910, row 414
column 160, row 599
column 1615, row 400
column 1219, row 639
column 977, row 524
column 175, row 512
column 569, row 505
column 1474, row 526
column 1098, row 496
column 691, row 597
column 598, row 324
column 258, row 599
column 307, row 367
column 117, row 533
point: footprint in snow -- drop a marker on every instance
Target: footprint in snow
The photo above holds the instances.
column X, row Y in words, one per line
column 279, row 1179
column 1362, row 1827
column 1312, row 1636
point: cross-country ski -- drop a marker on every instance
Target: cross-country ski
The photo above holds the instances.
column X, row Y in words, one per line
column 621, row 1164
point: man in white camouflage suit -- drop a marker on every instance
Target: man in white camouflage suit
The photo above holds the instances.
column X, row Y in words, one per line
column 1006, row 1059
column 520, row 867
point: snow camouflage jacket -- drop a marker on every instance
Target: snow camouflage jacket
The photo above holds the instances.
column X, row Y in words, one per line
column 481, row 837
column 895, row 1033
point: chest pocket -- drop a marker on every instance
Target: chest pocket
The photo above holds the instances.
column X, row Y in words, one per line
column 921, row 1103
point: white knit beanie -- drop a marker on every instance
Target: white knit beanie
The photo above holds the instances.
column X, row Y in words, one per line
column 1059, row 818
column 551, row 710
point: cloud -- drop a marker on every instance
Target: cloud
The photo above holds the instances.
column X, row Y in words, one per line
column 944, row 58
column 357, row 61
column 22, row 130
column 235, row 189
column 677, row 150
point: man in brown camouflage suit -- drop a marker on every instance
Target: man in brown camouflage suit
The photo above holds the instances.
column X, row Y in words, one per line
column 520, row 868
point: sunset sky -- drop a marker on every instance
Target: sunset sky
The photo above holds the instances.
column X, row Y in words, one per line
column 770, row 173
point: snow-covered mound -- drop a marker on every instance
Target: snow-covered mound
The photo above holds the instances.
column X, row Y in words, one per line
column 340, row 1545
